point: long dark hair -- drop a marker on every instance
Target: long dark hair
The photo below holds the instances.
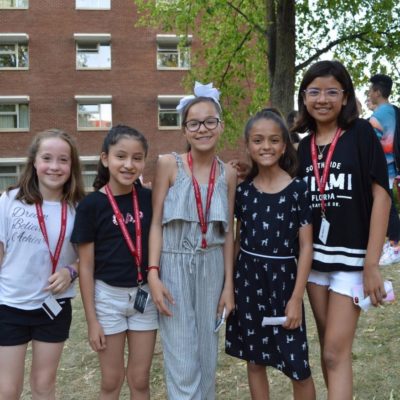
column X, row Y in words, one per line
column 113, row 136
column 305, row 122
column 288, row 160
column 28, row 183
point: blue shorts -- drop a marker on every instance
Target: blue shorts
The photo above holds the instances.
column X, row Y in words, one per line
column 21, row 326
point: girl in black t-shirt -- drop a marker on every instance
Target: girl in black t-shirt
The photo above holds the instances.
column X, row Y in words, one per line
column 111, row 229
column 350, row 211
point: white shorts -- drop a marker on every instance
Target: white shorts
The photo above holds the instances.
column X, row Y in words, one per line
column 115, row 312
column 339, row 281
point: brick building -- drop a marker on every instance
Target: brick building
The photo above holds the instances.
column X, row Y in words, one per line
column 82, row 66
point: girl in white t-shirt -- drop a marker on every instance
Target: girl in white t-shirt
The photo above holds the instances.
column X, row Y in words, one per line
column 38, row 264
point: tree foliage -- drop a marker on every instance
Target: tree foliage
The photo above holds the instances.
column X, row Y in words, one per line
column 254, row 50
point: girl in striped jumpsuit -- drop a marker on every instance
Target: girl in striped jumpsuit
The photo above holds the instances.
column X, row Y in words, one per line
column 191, row 249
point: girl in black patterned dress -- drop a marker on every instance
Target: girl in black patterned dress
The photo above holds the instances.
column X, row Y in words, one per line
column 273, row 229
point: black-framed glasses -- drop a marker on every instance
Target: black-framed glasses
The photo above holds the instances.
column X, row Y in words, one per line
column 194, row 125
column 330, row 94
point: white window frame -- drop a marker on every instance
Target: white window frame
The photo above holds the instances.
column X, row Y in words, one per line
column 15, row 40
column 18, row 5
column 170, row 102
column 98, row 6
column 16, row 101
column 93, row 41
column 92, row 101
column 18, row 163
column 172, row 44
column 89, row 160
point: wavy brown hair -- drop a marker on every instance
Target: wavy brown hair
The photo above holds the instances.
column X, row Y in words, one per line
column 28, row 183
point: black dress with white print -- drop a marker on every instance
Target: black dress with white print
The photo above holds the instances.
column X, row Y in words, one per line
column 265, row 277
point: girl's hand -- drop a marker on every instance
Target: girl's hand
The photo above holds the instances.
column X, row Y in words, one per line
column 59, row 281
column 242, row 169
column 294, row 313
column 97, row 339
column 226, row 300
column 373, row 285
column 158, row 293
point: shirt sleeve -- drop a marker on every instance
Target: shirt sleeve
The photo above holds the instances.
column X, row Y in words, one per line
column 372, row 156
column 85, row 225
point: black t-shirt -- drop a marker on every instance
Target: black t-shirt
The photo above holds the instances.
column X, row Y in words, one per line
column 95, row 222
column 357, row 162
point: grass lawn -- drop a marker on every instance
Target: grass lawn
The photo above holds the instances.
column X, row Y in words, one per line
column 376, row 361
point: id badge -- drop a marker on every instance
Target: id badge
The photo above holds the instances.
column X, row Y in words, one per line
column 324, row 230
column 141, row 299
column 51, row 307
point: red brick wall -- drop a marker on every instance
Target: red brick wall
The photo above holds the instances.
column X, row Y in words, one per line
column 52, row 80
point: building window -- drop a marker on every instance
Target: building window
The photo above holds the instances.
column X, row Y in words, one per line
column 93, row 4
column 14, row 51
column 93, row 51
column 168, row 117
column 173, row 52
column 14, row 3
column 94, row 112
column 14, row 116
column 89, row 172
column 9, row 175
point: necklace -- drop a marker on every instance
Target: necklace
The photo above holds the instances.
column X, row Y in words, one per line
column 321, row 152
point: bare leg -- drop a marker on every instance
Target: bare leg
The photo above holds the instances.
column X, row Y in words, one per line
column 304, row 390
column 319, row 296
column 340, row 330
column 258, row 381
column 12, row 363
column 112, row 366
column 45, row 360
column 141, row 348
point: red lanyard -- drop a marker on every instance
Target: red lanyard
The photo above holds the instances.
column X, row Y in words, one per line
column 210, row 189
column 42, row 224
column 136, row 252
column 321, row 183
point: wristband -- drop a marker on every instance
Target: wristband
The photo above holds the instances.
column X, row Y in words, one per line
column 153, row 267
column 72, row 273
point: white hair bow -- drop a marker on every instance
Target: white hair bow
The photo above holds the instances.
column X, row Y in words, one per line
column 200, row 90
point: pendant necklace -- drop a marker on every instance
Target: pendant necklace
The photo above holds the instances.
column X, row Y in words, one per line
column 321, row 152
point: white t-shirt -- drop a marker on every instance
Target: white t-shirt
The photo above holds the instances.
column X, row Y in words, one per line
column 26, row 264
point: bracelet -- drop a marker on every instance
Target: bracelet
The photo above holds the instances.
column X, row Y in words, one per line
column 72, row 273
column 153, row 267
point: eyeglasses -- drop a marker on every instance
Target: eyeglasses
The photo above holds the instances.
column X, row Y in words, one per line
column 330, row 94
column 194, row 125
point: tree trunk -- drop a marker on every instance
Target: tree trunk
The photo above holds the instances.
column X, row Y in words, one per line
column 281, row 36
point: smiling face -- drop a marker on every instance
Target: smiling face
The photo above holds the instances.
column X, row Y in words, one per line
column 125, row 162
column 53, row 167
column 265, row 143
column 204, row 139
column 325, row 109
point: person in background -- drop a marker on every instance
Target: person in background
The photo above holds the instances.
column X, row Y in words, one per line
column 383, row 120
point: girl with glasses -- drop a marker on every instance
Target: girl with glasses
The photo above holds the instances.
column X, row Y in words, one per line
column 344, row 167
column 191, row 249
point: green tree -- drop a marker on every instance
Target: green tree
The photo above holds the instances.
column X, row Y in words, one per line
column 254, row 50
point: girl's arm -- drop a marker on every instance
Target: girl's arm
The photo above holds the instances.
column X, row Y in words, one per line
column 96, row 336
column 165, row 171
column 293, row 309
column 237, row 240
column 60, row 281
column 227, row 298
column 373, row 283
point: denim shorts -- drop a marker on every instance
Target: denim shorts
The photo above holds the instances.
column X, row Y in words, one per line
column 340, row 282
column 115, row 311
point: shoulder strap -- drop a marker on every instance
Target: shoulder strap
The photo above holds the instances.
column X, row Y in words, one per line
column 396, row 137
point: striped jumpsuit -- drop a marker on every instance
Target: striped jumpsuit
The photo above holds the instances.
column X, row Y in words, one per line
column 195, row 278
